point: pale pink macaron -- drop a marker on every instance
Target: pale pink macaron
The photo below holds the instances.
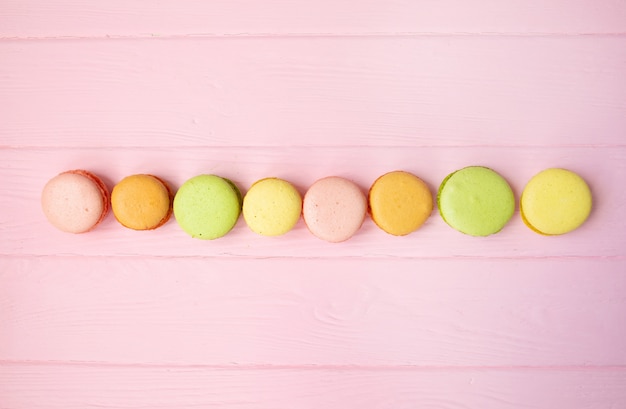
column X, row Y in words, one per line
column 334, row 209
column 75, row 201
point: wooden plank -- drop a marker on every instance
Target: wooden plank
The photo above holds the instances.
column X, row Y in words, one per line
column 68, row 386
column 23, row 173
column 399, row 91
column 338, row 312
column 63, row 18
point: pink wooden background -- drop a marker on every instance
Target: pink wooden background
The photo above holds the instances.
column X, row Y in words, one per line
column 301, row 90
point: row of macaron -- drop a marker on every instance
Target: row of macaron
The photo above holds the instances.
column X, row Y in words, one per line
column 474, row 200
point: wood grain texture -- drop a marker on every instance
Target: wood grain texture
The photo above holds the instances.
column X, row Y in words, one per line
column 314, row 91
column 25, row 171
column 145, row 18
column 301, row 90
column 309, row 312
column 76, row 386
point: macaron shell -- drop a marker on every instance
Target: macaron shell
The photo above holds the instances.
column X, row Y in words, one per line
column 207, row 206
column 400, row 202
column 476, row 200
column 334, row 209
column 236, row 190
column 141, row 202
column 272, row 207
column 555, row 201
column 75, row 201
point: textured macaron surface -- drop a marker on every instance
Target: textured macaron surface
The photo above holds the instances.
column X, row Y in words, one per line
column 334, row 209
column 74, row 201
column 207, row 206
column 272, row 207
column 400, row 202
column 141, row 202
column 555, row 201
column 476, row 200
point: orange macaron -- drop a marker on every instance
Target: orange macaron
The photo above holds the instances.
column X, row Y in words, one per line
column 400, row 202
column 142, row 202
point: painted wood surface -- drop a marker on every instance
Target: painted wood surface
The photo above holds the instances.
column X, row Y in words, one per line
column 330, row 91
column 146, row 18
column 303, row 312
column 302, row 90
column 175, row 387
column 603, row 167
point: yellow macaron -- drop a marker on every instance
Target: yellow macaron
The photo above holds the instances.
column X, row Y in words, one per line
column 400, row 202
column 272, row 207
column 141, row 202
column 555, row 201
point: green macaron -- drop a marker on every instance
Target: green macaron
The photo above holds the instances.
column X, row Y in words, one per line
column 207, row 206
column 476, row 200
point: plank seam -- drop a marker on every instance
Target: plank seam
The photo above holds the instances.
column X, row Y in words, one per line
column 314, row 367
column 400, row 34
column 237, row 257
column 287, row 147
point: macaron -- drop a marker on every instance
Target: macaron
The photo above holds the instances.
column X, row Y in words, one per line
column 476, row 200
column 272, row 207
column 75, row 201
column 141, row 202
column 400, row 202
column 207, row 206
column 334, row 209
column 555, row 201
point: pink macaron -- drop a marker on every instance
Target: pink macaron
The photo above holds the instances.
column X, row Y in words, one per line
column 334, row 209
column 75, row 201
